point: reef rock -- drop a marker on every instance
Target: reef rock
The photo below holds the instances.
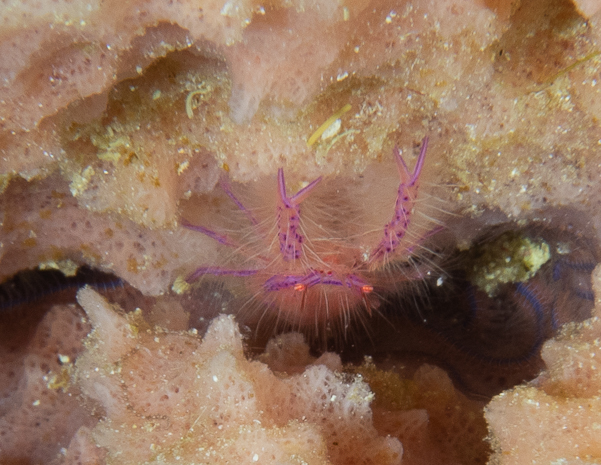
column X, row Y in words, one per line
column 119, row 119
column 175, row 398
column 561, row 409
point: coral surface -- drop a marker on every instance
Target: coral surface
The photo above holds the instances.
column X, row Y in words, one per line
column 127, row 119
column 121, row 120
column 561, row 409
column 177, row 398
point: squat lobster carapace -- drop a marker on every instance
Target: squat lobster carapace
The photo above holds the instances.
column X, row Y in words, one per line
column 314, row 268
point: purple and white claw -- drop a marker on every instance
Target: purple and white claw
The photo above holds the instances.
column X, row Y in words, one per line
column 395, row 230
column 288, row 218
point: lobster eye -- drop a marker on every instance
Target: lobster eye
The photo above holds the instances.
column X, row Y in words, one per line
column 367, row 289
column 299, row 287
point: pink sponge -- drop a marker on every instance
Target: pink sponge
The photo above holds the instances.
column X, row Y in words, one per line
column 35, row 406
column 175, row 398
column 560, row 411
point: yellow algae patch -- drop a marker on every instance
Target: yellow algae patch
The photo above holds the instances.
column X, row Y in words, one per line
column 508, row 259
column 180, row 285
column 80, row 182
column 67, row 267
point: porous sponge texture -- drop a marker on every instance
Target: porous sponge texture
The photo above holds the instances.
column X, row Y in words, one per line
column 59, row 230
column 171, row 397
column 34, row 407
column 43, row 70
column 561, row 409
